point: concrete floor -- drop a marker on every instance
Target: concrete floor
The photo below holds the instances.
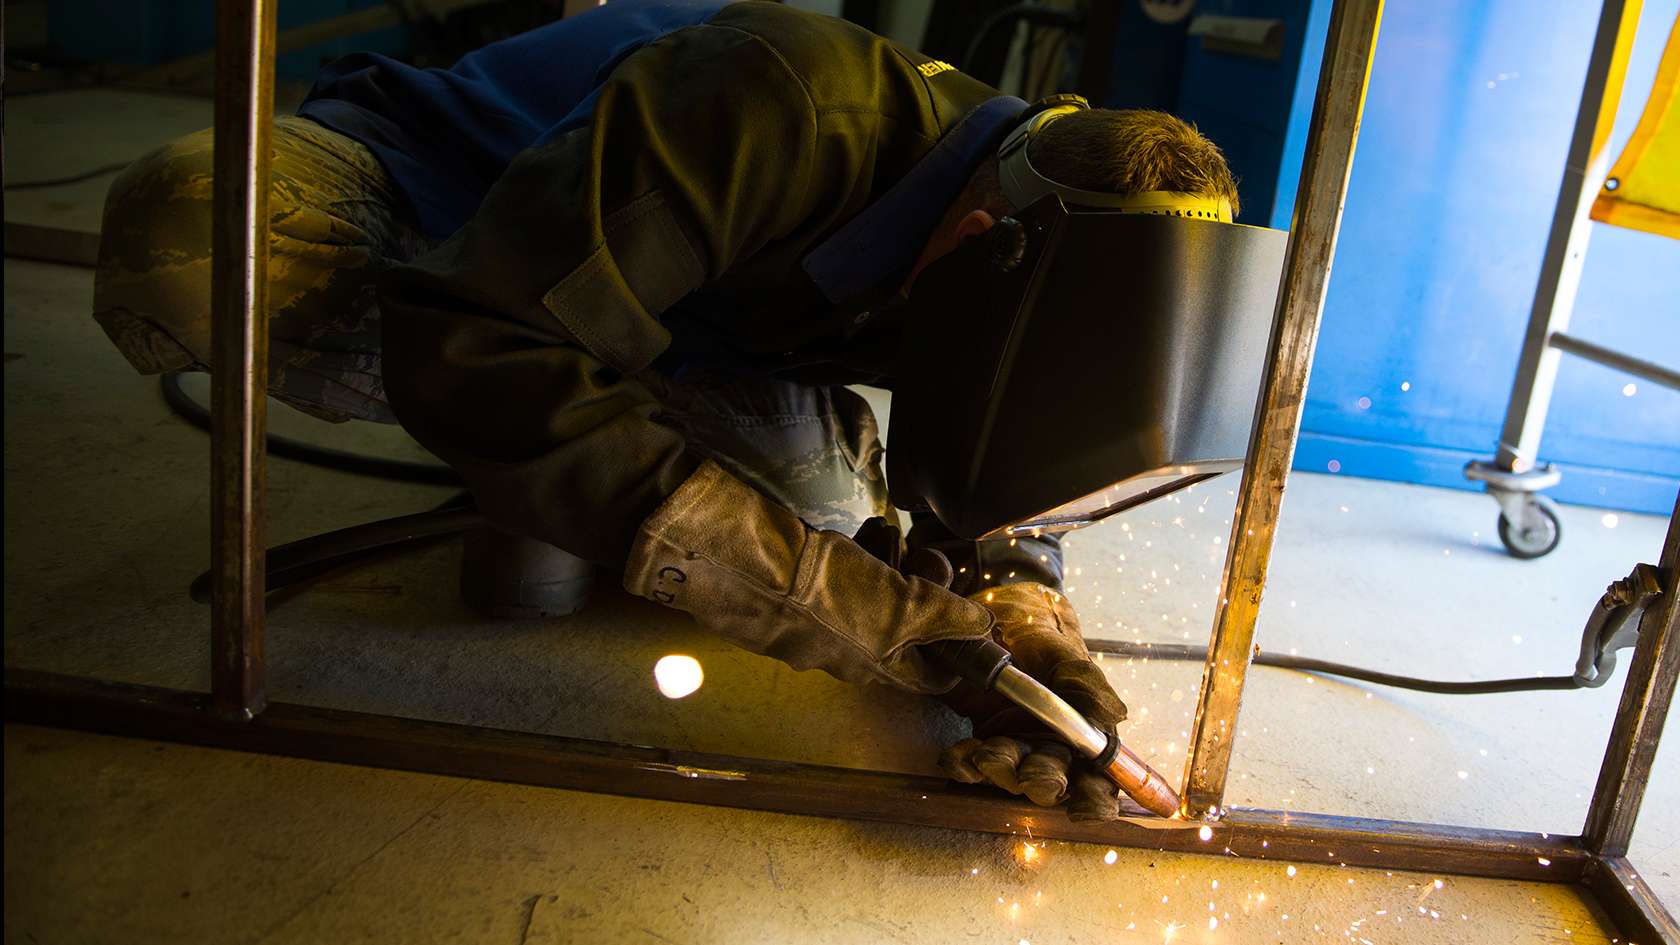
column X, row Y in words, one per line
column 105, row 523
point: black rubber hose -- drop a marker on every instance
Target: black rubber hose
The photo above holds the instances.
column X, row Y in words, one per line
column 399, row 470
column 89, row 174
column 1307, row 664
column 298, row 561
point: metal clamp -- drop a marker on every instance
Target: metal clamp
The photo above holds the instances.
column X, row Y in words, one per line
column 1614, row 624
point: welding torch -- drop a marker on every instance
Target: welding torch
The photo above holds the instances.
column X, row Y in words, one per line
column 989, row 666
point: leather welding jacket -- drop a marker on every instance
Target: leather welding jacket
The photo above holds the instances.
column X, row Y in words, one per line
column 749, row 191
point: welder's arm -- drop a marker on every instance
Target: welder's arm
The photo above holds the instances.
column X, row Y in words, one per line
column 510, row 350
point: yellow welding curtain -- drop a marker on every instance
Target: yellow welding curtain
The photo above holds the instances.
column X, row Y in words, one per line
column 1643, row 189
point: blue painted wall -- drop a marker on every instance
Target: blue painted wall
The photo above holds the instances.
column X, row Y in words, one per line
column 1466, row 126
column 148, row 32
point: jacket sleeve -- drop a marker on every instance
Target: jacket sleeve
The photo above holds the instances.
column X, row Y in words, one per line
column 511, row 350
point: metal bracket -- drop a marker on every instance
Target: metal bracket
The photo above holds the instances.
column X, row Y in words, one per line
column 1614, row 624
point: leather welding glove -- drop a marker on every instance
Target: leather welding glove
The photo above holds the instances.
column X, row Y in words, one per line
column 1010, row 749
column 752, row 572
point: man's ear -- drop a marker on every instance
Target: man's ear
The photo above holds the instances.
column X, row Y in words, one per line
column 973, row 223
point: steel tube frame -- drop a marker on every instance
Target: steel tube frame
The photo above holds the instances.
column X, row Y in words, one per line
column 1646, row 697
column 1306, row 274
column 234, row 714
column 1610, row 358
column 239, row 338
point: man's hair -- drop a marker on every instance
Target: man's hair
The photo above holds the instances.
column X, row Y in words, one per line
column 1121, row 152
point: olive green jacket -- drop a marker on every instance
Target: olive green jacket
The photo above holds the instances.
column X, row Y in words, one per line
column 718, row 159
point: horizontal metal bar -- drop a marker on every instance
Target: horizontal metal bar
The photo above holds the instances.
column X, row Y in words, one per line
column 1632, row 905
column 759, row 784
column 1627, row 363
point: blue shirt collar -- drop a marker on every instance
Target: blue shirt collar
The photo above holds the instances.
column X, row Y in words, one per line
column 888, row 235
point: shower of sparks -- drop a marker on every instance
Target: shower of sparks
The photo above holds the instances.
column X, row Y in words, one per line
column 677, row 675
column 1168, row 931
column 1028, row 854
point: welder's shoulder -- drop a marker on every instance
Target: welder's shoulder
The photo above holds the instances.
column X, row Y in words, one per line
column 846, row 68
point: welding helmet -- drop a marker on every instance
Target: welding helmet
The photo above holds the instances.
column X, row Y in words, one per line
column 1089, row 353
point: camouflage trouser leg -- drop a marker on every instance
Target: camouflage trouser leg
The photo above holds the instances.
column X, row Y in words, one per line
column 336, row 221
column 815, row 450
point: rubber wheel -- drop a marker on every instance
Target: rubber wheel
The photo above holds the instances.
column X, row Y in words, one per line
column 1535, row 542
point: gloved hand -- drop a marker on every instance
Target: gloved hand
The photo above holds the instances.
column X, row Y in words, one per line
column 751, row 571
column 1012, row 750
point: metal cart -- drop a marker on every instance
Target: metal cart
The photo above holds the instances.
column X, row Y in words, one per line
column 1528, row 519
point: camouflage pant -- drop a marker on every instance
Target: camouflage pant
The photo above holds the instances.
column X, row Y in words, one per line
column 337, row 220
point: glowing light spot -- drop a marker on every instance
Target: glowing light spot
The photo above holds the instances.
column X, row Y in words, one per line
column 1610, row 520
column 1289, row 872
column 1543, row 861
column 1204, row 833
column 1462, row 775
column 677, row 675
column 1405, row 385
column 1334, row 466
column 1364, row 403
column 1110, row 857
column 1213, row 923
column 1628, row 390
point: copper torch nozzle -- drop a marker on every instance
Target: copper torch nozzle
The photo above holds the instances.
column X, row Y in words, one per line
column 1141, row 782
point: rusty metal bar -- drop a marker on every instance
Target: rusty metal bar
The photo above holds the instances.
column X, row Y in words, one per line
column 1632, row 905
column 239, row 342
column 760, row 784
column 1639, row 718
column 1306, row 273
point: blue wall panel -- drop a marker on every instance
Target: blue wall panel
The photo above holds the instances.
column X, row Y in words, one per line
column 148, row 32
column 1466, row 126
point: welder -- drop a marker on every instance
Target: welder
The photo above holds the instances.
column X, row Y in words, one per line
column 617, row 272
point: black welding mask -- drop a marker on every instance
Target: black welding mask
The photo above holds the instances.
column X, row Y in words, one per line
column 1089, row 353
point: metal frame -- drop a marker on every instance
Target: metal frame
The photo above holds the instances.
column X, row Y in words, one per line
column 235, row 714
column 1514, row 476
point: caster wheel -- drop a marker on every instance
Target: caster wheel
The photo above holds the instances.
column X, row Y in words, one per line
column 1537, row 535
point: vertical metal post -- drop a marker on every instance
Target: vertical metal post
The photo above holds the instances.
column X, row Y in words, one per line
column 1639, row 718
column 1566, row 247
column 239, row 342
column 1306, row 273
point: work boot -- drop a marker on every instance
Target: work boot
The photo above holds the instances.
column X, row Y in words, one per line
column 510, row 576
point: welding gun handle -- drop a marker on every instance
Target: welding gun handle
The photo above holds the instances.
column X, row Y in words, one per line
column 978, row 661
